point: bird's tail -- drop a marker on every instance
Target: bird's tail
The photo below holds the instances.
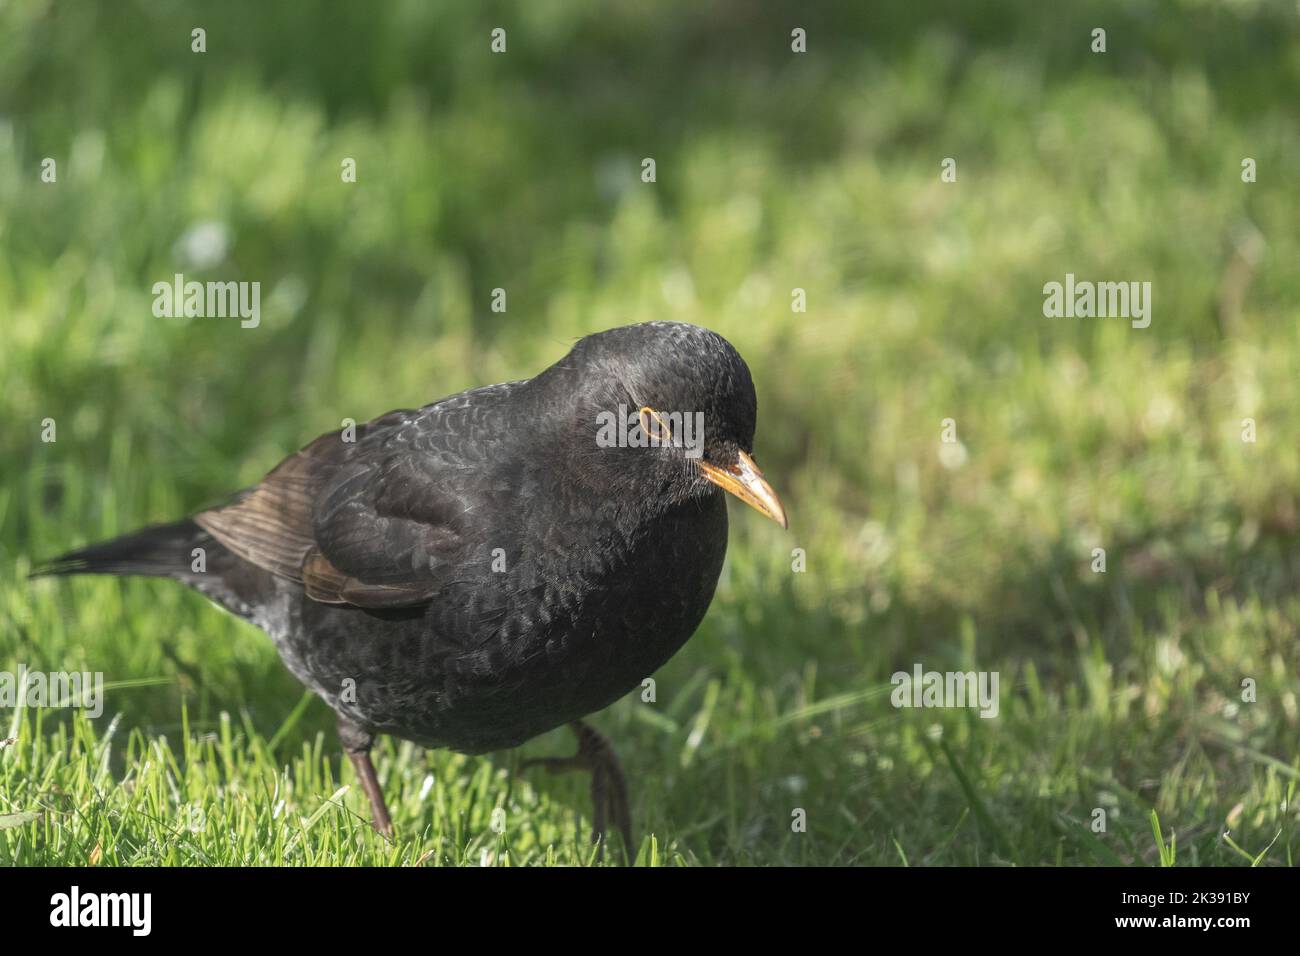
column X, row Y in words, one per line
column 165, row 550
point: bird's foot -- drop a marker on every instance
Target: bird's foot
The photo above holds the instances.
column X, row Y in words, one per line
column 608, row 785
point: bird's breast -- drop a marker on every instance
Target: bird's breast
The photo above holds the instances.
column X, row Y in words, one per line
column 555, row 634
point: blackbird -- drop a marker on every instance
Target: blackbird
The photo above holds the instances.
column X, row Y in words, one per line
column 476, row 572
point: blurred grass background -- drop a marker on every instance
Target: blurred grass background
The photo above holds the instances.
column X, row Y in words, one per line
column 775, row 170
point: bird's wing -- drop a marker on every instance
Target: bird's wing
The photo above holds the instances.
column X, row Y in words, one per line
column 370, row 522
column 384, row 529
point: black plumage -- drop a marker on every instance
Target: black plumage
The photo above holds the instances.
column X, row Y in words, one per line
column 481, row 570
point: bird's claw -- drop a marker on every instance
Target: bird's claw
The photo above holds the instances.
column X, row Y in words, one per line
column 608, row 786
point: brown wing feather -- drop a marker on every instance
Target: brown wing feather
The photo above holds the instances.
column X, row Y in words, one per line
column 275, row 526
column 327, row 584
column 271, row 525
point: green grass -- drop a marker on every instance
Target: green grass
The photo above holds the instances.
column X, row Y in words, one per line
column 1120, row 691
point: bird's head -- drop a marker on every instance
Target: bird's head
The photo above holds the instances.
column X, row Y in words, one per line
column 667, row 410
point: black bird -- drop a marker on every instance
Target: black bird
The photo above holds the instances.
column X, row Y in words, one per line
column 484, row 569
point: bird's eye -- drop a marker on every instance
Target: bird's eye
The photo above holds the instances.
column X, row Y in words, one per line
column 653, row 424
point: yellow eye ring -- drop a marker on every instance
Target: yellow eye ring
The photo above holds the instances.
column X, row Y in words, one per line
column 648, row 414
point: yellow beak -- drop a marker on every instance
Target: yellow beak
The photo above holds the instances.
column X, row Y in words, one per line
column 747, row 483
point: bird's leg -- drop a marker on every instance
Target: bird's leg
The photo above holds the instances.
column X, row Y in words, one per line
column 379, row 818
column 357, row 743
column 608, row 785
